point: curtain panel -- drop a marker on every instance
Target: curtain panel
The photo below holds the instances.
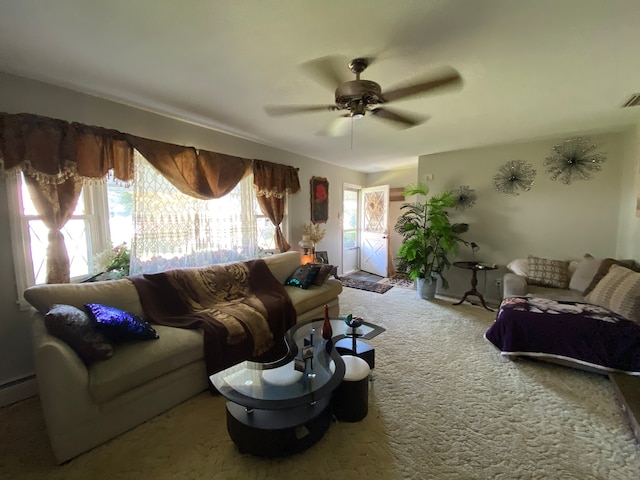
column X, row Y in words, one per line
column 52, row 151
column 272, row 182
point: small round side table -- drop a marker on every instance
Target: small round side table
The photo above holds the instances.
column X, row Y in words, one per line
column 474, row 267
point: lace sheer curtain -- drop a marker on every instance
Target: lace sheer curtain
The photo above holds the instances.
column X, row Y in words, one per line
column 174, row 230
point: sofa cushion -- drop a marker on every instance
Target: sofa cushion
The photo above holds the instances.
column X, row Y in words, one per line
column 282, row 264
column 303, row 276
column 585, row 271
column 117, row 293
column 603, row 269
column 557, row 294
column 120, row 325
column 619, row 291
column 134, row 364
column 548, row 273
column 74, row 327
column 314, row 296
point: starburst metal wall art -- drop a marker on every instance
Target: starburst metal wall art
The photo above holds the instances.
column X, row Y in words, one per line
column 465, row 197
column 573, row 160
column 513, row 176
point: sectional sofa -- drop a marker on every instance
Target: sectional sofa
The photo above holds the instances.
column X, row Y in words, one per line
column 85, row 405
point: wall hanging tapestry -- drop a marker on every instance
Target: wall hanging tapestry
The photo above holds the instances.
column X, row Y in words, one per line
column 319, row 200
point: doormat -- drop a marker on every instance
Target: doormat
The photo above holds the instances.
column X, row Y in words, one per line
column 365, row 285
column 399, row 280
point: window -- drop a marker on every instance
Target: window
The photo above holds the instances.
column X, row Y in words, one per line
column 174, row 230
column 85, row 233
column 350, row 219
column 104, row 217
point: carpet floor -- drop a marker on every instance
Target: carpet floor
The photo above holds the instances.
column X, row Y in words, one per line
column 443, row 404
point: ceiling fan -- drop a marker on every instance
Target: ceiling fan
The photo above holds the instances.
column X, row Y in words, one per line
column 359, row 97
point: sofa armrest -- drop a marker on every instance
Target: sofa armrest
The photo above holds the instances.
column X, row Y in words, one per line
column 63, row 380
column 514, row 285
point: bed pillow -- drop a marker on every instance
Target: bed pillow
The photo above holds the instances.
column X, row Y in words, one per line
column 303, row 276
column 619, row 291
column 604, row 269
column 585, row 271
column 120, row 325
column 79, row 331
column 548, row 273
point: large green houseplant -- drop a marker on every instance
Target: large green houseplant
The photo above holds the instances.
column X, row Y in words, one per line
column 428, row 237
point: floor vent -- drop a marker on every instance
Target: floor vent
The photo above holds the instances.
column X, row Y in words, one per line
column 633, row 101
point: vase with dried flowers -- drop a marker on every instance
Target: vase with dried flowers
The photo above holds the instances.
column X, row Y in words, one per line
column 314, row 232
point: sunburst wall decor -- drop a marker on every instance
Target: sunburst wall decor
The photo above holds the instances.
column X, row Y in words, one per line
column 513, row 176
column 573, row 160
column 465, row 197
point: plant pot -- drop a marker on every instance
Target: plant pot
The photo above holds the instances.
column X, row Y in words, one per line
column 426, row 287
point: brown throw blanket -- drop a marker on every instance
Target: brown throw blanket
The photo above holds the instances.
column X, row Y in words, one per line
column 241, row 307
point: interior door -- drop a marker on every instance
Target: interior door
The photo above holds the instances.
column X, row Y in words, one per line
column 374, row 236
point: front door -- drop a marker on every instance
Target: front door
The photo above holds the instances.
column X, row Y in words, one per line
column 375, row 230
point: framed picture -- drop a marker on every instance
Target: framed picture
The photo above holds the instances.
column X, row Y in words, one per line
column 322, row 257
column 319, row 200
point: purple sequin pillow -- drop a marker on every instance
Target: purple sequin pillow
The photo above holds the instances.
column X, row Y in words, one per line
column 120, row 325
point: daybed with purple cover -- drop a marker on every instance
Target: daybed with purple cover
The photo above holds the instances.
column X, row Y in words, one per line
column 582, row 335
column 599, row 333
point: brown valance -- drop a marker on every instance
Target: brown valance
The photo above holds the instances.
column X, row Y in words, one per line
column 200, row 174
column 53, row 150
column 56, row 156
column 274, row 179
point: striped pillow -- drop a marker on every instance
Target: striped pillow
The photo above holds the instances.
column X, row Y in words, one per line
column 548, row 273
column 619, row 290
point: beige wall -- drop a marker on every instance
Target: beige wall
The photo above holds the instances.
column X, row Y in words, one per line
column 21, row 95
column 629, row 224
column 552, row 220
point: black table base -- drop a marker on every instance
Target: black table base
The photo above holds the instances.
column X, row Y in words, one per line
column 278, row 433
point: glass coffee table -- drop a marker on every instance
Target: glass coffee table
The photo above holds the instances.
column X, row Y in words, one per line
column 281, row 408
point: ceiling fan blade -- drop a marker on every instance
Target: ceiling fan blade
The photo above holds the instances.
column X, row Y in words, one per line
column 339, row 127
column 450, row 78
column 329, row 71
column 401, row 120
column 283, row 110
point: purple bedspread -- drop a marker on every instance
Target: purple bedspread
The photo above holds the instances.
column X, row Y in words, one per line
column 585, row 334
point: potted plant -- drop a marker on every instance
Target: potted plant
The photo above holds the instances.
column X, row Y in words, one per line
column 428, row 238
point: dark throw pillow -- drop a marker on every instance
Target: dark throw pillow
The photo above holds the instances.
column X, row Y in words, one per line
column 323, row 273
column 79, row 331
column 120, row 325
column 303, row 276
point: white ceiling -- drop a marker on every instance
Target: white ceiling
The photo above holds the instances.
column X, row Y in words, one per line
column 531, row 69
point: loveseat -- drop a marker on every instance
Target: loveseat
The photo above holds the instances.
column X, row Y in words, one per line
column 583, row 314
column 85, row 405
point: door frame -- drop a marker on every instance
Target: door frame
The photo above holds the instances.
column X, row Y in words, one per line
column 358, row 189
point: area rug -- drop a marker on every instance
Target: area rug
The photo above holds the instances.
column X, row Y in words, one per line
column 399, row 280
column 376, row 287
column 443, row 404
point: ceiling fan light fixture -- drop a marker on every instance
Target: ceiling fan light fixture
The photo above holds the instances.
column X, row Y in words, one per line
column 358, row 110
